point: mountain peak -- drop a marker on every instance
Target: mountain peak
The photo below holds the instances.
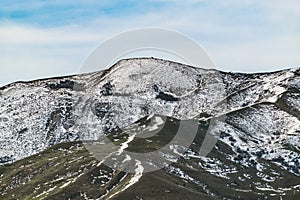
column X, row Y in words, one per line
column 38, row 114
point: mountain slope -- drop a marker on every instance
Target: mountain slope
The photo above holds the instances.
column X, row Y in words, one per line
column 69, row 171
column 256, row 117
column 39, row 114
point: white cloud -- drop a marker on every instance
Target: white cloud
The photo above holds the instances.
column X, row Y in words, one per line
column 262, row 41
column 25, row 35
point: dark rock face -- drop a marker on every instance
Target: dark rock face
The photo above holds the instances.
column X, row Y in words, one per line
column 107, row 89
column 166, row 97
column 298, row 71
column 67, row 84
column 101, row 109
column 5, row 159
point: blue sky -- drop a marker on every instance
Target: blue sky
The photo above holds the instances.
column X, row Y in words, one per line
column 50, row 38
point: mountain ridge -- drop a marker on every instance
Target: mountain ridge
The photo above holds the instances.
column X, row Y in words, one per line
column 3, row 87
column 255, row 118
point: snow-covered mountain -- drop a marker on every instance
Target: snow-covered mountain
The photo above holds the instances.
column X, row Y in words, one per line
column 38, row 114
column 259, row 129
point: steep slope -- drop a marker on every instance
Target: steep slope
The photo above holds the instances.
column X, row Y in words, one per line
column 69, row 171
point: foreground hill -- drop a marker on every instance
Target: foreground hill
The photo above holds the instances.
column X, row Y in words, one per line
column 69, row 171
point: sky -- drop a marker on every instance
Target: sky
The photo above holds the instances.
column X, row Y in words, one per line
column 41, row 38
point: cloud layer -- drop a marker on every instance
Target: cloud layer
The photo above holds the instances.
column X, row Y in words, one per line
column 42, row 39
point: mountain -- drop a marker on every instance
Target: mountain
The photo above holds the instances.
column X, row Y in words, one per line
column 45, row 125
